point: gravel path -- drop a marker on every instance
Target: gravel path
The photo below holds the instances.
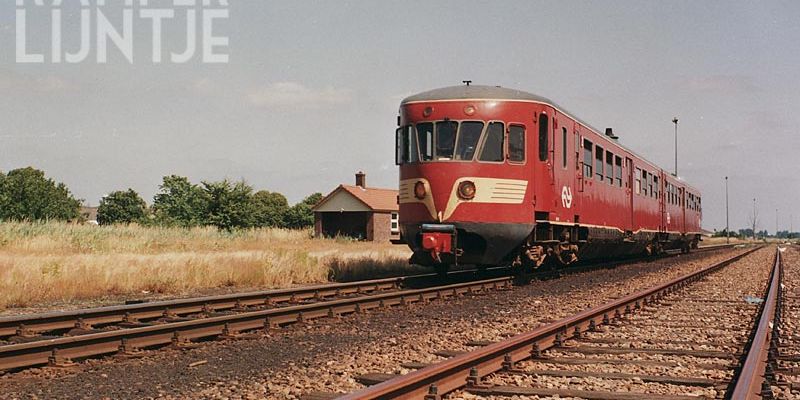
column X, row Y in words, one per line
column 693, row 333
column 327, row 355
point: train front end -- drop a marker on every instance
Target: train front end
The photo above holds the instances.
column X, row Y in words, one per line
column 465, row 192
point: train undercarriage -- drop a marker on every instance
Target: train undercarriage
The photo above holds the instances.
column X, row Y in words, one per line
column 527, row 248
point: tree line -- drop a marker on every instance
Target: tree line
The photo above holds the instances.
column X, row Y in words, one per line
column 26, row 194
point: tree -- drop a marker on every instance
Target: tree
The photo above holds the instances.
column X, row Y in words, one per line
column 269, row 209
column 26, row 194
column 313, row 199
column 121, row 207
column 300, row 215
column 229, row 204
column 753, row 219
column 179, row 202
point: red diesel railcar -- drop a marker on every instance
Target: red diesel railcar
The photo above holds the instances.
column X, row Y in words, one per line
column 494, row 176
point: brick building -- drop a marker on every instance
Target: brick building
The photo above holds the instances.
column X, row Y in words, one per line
column 359, row 212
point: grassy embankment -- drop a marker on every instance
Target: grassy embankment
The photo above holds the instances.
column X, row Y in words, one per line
column 45, row 263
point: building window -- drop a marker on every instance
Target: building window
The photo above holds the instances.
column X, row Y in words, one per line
column 598, row 165
column 516, row 143
column 395, row 223
column 543, row 126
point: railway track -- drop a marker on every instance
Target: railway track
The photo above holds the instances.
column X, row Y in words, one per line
column 691, row 338
column 784, row 351
column 61, row 337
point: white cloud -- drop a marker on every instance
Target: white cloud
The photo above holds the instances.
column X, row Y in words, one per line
column 292, row 94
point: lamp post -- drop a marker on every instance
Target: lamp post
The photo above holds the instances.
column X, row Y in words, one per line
column 675, row 121
column 727, row 222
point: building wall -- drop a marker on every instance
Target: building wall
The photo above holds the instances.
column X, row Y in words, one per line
column 378, row 224
column 380, row 227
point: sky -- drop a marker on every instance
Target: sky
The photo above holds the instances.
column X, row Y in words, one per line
column 310, row 90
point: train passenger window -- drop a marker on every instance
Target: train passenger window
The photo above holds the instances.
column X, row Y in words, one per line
column 618, row 170
column 516, row 143
column 468, row 137
column 543, row 126
column 598, row 165
column 610, row 167
column 564, row 147
column 637, row 181
column 655, row 187
column 493, row 143
column 587, row 159
column 445, row 139
column 425, row 140
column 645, row 184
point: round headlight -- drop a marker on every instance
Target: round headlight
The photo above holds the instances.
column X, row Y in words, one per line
column 419, row 190
column 466, row 190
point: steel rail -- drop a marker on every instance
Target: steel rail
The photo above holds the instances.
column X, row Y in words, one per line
column 41, row 352
column 46, row 322
column 100, row 316
column 432, row 381
column 751, row 378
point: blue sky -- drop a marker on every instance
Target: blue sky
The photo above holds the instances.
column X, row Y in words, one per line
column 311, row 91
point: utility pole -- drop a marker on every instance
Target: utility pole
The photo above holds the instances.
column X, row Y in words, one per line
column 675, row 121
column 755, row 219
column 776, row 223
column 727, row 222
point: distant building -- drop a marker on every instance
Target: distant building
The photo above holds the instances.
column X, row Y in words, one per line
column 89, row 214
column 359, row 212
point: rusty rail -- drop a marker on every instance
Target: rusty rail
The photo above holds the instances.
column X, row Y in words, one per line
column 127, row 340
column 751, row 381
column 433, row 381
column 46, row 322
column 101, row 316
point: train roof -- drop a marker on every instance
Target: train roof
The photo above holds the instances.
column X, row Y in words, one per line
column 485, row 92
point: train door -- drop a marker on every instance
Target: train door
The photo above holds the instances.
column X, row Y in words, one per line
column 542, row 167
column 662, row 204
column 566, row 179
column 682, row 196
column 630, row 192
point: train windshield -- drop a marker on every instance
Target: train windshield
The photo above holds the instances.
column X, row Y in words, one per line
column 450, row 141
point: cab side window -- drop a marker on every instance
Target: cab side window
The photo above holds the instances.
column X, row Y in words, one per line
column 516, row 143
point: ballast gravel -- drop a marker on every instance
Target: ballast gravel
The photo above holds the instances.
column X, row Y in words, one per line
column 327, row 355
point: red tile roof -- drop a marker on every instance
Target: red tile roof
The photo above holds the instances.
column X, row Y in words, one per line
column 376, row 199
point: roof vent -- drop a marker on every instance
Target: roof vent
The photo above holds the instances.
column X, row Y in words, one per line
column 610, row 134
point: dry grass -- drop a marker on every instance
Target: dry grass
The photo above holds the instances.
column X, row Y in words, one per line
column 45, row 263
